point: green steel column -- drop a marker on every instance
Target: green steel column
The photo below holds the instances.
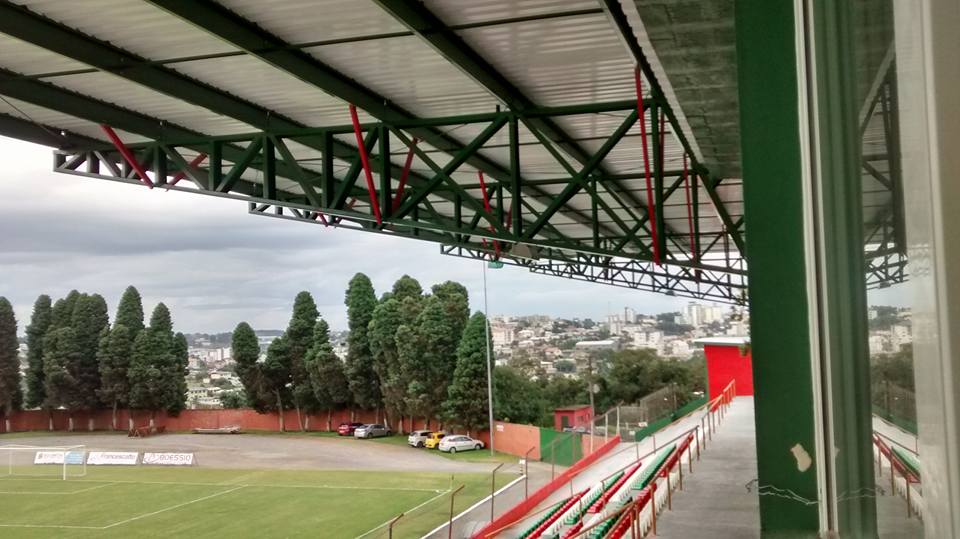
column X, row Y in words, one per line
column 779, row 316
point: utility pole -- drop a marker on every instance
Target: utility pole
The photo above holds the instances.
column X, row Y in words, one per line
column 590, row 390
column 486, row 327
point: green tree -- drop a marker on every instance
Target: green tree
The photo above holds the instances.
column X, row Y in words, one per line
column 116, row 347
column 62, row 313
column 36, row 332
column 364, row 384
column 130, row 312
column 407, row 287
column 11, row 396
column 274, row 377
column 299, row 338
column 325, row 369
column 245, row 350
column 89, row 321
column 181, row 357
column 456, row 305
column 61, row 354
column 518, row 399
column 467, row 405
column 155, row 373
column 161, row 322
column 427, row 351
column 383, row 344
column 152, row 385
column 233, row 399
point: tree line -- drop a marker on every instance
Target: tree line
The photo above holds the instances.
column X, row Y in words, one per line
column 78, row 362
column 524, row 393
column 409, row 354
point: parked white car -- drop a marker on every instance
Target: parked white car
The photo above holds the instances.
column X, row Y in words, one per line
column 459, row 442
column 418, row 437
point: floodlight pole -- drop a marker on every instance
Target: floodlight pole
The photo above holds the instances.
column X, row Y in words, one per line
column 486, row 327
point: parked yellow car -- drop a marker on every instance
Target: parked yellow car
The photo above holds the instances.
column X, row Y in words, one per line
column 433, row 440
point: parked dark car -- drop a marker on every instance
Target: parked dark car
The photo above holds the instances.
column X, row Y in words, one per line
column 347, row 429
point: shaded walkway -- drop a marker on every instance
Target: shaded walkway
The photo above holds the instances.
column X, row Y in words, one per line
column 715, row 502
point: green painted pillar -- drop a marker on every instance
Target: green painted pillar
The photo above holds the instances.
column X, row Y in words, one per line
column 779, row 314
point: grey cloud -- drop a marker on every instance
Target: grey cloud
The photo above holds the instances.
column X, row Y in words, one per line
column 214, row 264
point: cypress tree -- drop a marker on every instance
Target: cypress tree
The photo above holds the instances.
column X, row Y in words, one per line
column 62, row 314
column 181, row 357
column 36, row 332
column 466, row 404
column 386, row 363
column 407, row 287
column 299, row 338
column 245, row 350
column 88, row 322
column 274, row 377
column 61, row 353
column 161, row 322
column 156, row 375
column 428, row 357
column 130, row 311
column 11, row 396
column 325, row 369
column 113, row 357
column 149, row 375
column 361, row 301
column 456, row 304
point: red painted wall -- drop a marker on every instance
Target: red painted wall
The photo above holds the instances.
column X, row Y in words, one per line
column 724, row 363
column 579, row 417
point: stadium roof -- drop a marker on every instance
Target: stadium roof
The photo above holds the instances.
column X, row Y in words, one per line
column 510, row 126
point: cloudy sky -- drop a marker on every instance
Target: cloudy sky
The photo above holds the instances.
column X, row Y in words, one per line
column 215, row 265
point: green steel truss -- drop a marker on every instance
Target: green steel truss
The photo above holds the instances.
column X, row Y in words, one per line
column 260, row 168
column 530, row 223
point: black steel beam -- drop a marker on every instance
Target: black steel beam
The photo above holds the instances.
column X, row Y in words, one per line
column 45, row 135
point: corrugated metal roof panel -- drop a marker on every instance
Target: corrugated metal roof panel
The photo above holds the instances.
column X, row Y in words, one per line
column 456, row 12
column 22, row 57
column 558, row 61
column 135, row 26
column 409, row 73
column 303, row 21
column 133, row 96
column 257, row 81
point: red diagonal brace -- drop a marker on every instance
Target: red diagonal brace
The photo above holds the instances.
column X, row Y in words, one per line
column 127, row 156
column 651, row 209
column 322, row 217
column 365, row 160
column 486, row 206
column 403, row 175
column 686, row 188
column 182, row 174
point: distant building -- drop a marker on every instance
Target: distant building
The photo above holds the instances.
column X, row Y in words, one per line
column 592, row 346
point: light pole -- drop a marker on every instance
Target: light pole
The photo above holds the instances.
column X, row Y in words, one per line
column 486, row 326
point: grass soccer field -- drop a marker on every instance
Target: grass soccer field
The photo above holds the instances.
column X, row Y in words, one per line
column 197, row 502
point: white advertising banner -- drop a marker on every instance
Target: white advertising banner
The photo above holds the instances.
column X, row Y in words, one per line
column 168, row 459
column 112, row 458
column 48, row 457
column 56, row 457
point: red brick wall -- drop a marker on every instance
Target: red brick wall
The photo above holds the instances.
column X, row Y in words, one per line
column 188, row 419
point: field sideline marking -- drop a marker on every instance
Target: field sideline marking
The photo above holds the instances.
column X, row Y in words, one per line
column 221, row 484
column 474, row 506
column 126, row 521
column 368, row 532
column 32, row 492
column 172, row 507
